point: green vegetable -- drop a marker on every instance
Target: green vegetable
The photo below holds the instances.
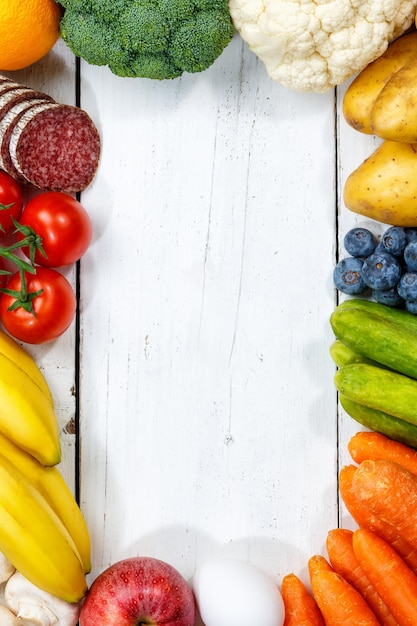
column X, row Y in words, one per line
column 389, row 313
column 378, row 335
column 379, row 389
column 376, row 353
column 344, row 355
column 381, row 422
column 157, row 39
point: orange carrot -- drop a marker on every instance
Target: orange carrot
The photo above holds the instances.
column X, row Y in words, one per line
column 392, row 579
column 300, row 607
column 366, row 519
column 389, row 491
column 376, row 446
column 339, row 603
column 344, row 562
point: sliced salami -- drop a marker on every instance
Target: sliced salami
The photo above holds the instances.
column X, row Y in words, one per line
column 5, row 87
column 57, row 148
column 7, row 83
column 52, row 146
column 7, row 125
column 15, row 95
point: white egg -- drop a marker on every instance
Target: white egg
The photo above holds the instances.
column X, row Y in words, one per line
column 230, row 592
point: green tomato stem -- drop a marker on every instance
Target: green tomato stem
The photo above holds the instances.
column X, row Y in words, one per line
column 33, row 242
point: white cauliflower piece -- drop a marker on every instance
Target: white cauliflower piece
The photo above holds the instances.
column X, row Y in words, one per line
column 314, row 45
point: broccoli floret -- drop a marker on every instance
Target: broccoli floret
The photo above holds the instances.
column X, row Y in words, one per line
column 90, row 38
column 197, row 40
column 157, row 39
column 176, row 12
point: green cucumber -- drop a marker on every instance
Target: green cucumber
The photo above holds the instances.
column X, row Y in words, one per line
column 392, row 314
column 381, row 422
column 344, row 355
column 380, row 389
column 377, row 338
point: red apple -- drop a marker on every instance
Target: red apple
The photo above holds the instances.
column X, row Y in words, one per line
column 139, row 591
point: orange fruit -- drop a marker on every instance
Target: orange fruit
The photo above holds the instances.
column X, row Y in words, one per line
column 28, row 30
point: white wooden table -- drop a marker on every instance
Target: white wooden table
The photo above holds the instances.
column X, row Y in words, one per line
column 195, row 392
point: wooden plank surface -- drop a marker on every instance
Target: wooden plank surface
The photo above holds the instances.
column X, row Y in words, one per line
column 208, row 419
column 55, row 74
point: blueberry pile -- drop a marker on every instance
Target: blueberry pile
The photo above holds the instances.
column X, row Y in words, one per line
column 386, row 270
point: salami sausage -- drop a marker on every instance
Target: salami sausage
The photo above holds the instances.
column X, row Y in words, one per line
column 6, row 84
column 14, row 95
column 53, row 146
column 7, row 124
column 56, row 148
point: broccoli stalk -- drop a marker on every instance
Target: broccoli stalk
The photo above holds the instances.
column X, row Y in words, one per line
column 158, row 39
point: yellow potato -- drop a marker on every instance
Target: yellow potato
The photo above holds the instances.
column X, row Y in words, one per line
column 384, row 186
column 394, row 114
column 362, row 93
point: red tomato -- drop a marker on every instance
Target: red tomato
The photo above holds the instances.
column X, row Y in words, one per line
column 63, row 225
column 53, row 309
column 3, row 277
column 11, row 202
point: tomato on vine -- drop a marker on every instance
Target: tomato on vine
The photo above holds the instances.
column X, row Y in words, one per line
column 39, row 310
column 4, row 273
column 11, row 202
column 61, row 225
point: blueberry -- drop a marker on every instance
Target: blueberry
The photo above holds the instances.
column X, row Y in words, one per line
column 389, row 297
column 407, row 286
column 380, row 248
column 381, row 270
column 359, row 242
column 411, row 234
column 394, row 240
column 347, row 276
column 410, row 255
column 411, row 307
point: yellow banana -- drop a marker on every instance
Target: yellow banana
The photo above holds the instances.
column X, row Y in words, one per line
column 14, row 351
column 52, row 486
column 26, row 415
column 34, row 539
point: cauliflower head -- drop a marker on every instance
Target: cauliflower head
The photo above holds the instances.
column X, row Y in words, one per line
column 157, row 39
column 314, row 45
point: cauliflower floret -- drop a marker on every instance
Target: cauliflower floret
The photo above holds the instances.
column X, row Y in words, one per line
column 314, row 45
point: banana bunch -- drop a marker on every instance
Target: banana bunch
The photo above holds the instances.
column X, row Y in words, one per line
column 27, row 413
column 376, row 354
column 42, row 531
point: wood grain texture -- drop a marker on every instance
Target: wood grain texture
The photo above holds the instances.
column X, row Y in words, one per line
column 208, row 418
column 55, row 75
column 353, row 149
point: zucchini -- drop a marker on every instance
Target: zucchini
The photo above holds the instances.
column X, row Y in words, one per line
column 392, row 314
column 379, row 389
column 344, row 355
column 377, row 338
column 381, row 422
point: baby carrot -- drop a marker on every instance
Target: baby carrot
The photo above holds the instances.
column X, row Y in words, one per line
column 343, row 560
column 300, row 607
column 366, row 519
column 389, row 491
column 392, row 579
column 376, row 446
column 339, row 603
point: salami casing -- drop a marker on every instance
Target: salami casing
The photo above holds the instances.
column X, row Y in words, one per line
column 7, row 124
column 53, row 146
column 15, row 95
